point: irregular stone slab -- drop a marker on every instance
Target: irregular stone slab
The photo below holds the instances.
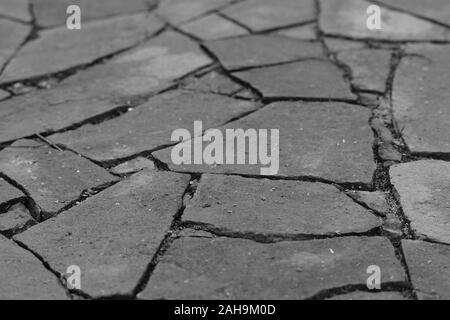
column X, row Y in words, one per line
column 151, row 67
column 361, row 295
column 8, row 195
column 52, row 178
column 349, row 17
column 214, row 82
column 213, row 27
column 370, row 68
column 428, row 267
column 419, row 96
column 51, row 13
column 374, row 200
column 178, row 11
column 134, row 165
column 257, row 50
column 438, row 10
column 60, row 49
column 17, row 219
column 260, row 15
column 228, row 268
column 307, row 32
column 150, row 125
column 12, row 34
column 112, row 236
column 337, row 45
column 269, row 207
column 424, row 188
column 4, row 94
column 23, row 276
column 17, row 9
column 328, row 140
column 305, row 79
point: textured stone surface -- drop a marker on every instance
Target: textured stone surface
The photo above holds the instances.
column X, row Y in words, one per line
column 257, row 50
column 420, row 98
column 113, row 235
column 261, row 15
column 15, row 220
column 23, row 276
column 151, row 67
column 328, row 140
column 213, row 27
column 224, row 268
column 12, row 34
column 151, row 125
column 214, row 82
column 306, row 79
column 52, row 178
column 8, row 194
column 424, row 190
column 307, row 32
column 16, row 9
column 4, row 94
column 370, row 68
column 374, row 200
column 133, row 166
column 361, row 295
column 349, row 18
column 60, row 48
column 428, row 265
column 51, row 13
column 262, row 206
column 337, row 45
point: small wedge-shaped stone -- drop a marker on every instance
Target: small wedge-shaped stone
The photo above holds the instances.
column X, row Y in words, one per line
column 60, row 49
column 424, row 190
column 227, row 268
column 17, row 219
column 213, row 27
column 349, row 18
column 114, row 235
column 257, row 50
column 304, row 79
column 8, row 194
column 24, row 277
column 52, row 178
column 151, row 125
column 271, row 207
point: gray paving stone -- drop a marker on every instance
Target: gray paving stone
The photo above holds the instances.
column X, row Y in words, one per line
column 375, row 200
column 16, row 9
column 419, row 98
column 257, row 50
column 212, row 27
column 268, row 207
column 228, row 268
column 52, row 178
column 307, row 32
column 349, row 17
column 23, row 276
column 133, row 166
column 8, row 194
column 17, row 219
column 151, row 125
column 12, row 34
column 361, row 295
column 151, row 67
column 60, row 49
column 4, row 94
column 179, row 11
column 424, row 187
column 337, row 45
column 214, row 82
column 50, row 13
column 327, row 140
column 370, row 68
column 438, row 10
column 112, row 236
column 428, row 266
column 259, row 15
column 305, row 79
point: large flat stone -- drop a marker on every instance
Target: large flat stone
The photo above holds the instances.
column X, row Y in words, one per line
column 24, row 277
column 420, row 98
column 150, row 125
column 12, row 34
column 50, row 13
column 52, row 178
column 424, row 188
column 60, row 49
column 112, row 236
column 370, row 68
column 260, row 15
column 349, row 17
column 227, row 268
column 428, row 267
column 212, row 27
column 257, row 50
column 8, row 194
column 18, row 9
column 270, row 207
column 305, row 79
column 328, row 140
column 151, row 67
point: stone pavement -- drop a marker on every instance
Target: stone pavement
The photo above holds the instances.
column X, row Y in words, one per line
column 87, row 178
